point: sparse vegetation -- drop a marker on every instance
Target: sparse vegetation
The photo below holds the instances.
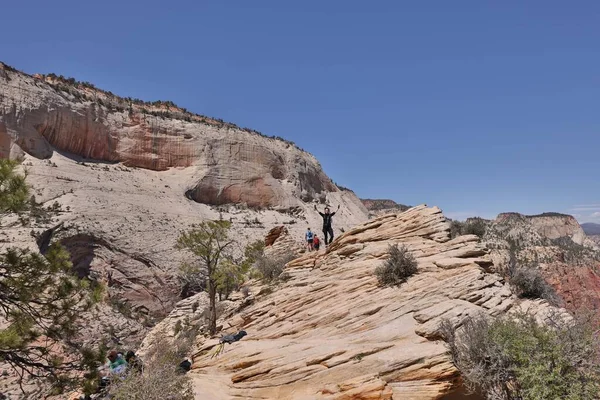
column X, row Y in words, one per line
column 270, row 269
column 515, row 357
column 575, row 253
column 400, row 265
column 472, row 226
column 161, row 378
column 529, row 283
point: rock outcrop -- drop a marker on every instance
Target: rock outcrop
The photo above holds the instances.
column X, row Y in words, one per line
column 331, row 332
column 43, row 114
column 549, row 225
column 283, row 245
column 557, row 246
column 378, row 207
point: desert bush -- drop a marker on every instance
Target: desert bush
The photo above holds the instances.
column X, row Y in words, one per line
column 475, row 226
column 456, row 228
column 472, row 226
column 270, row 268
column 529, row 283
column 515, row 357
column 398, row 267
column 161, row 378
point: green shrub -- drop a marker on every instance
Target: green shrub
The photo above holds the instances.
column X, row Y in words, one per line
column 397, row 268
column 271, row 268
column 472, row 226
column 475, row 226
column 529, row 283
column 456, row 228
column 515, row 357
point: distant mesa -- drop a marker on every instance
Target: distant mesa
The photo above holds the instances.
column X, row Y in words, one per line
column 378, row 207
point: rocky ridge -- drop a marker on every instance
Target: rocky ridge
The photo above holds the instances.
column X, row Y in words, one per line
column 331, row 332
column 41, row 115
column 557, row 246
column 378, row 207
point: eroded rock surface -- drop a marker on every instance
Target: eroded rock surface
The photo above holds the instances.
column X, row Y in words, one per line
column 557, row 246
column 331, row 332
column 41, row 114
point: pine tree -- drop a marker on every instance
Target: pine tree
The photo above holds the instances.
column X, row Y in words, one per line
column 40, row 299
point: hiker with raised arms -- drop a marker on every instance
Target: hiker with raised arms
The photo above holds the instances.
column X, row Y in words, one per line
column 327, row 229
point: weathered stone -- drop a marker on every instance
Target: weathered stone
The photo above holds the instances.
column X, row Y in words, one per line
column 331, row 332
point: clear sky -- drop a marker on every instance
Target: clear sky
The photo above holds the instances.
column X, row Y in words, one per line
column 478, row 106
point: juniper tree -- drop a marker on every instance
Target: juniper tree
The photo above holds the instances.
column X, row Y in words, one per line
column 210, row 243
column 40, row 299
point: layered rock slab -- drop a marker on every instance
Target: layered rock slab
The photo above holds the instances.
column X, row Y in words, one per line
column 331, row 332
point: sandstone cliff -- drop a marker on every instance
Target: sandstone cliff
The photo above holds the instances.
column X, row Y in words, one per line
column 557, row 246
column 124, row 172
column 44, row 114
column 330, row 332
column 549, row 225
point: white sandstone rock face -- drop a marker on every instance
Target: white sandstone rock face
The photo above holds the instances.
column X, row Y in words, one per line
column 41, row 116
column 127, row 181
column 331, row 332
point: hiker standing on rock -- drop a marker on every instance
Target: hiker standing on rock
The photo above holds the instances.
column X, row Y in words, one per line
column 327, row 229
column 309, row 239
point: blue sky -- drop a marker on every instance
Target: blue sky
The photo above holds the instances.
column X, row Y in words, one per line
column 477, row 107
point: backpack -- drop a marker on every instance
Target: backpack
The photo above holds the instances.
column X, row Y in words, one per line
column 316, row 240
column 309, row 235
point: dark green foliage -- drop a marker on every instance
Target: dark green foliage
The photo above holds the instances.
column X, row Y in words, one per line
column 400, row 265
column 515, row 357
column 40, row 300
column 14, row 192
column 229, row 277
column 529, row 283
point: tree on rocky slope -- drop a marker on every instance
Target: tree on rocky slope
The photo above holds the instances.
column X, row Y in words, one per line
column 209, row 242
column 40, row 300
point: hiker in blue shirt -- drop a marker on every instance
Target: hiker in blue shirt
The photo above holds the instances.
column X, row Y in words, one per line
column 309, row 239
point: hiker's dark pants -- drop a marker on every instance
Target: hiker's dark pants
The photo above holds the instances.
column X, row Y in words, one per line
column 328, row 230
